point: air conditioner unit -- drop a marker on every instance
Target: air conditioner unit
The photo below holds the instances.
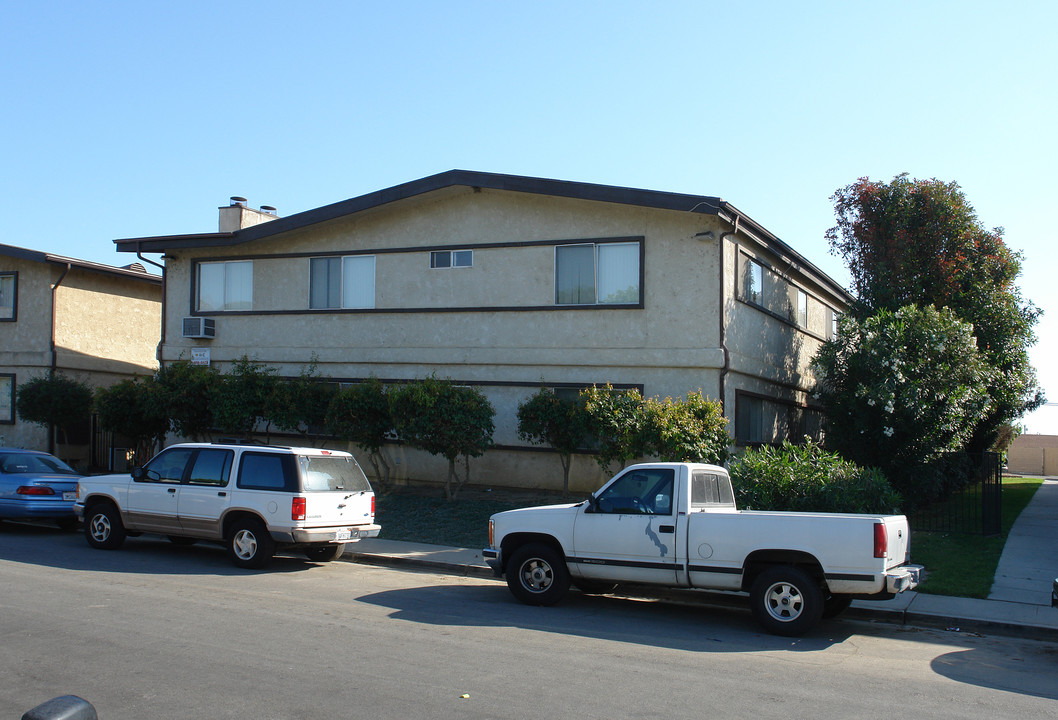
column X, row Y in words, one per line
column 200, row 327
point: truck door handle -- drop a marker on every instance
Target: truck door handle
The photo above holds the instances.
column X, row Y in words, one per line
column 667, row 528
column 222, row 494
column 172, row 490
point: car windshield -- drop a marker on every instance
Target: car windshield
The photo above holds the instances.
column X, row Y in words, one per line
column 30, row 463
column 332, row 473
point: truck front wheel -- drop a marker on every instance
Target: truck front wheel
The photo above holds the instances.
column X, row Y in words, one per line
column 786, row 601
column 537, row 575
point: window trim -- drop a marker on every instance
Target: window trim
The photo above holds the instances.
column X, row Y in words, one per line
column 11, row 397
column 13, row 274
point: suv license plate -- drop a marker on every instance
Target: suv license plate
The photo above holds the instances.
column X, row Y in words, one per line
column 342, row 534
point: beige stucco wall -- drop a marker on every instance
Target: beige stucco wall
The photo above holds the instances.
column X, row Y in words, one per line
column 1033, row 455
column 517, row 338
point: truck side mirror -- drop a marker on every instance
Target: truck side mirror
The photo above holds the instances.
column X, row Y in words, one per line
column 138, row 473
column 593, row 504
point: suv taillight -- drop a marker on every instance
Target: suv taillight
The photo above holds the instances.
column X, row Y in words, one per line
column 372, row 506
column 297, row 508
column 881, row 540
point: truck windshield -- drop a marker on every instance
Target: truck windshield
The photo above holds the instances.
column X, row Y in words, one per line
column 320, row 474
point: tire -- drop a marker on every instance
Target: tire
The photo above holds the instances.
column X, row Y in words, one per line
column 834, row 605
column 594, row 587
column 249, row 544
column 103, row 528
column 182, row 540
column 537, row 575
column 325, row 553
column 786, row 601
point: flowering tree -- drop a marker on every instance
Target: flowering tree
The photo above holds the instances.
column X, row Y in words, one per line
column 920, row 242
column 901, row 387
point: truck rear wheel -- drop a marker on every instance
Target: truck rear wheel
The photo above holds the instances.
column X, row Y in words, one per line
column 786, row 601
column 537, row 575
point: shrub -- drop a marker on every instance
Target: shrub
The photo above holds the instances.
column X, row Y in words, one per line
column 806, row 478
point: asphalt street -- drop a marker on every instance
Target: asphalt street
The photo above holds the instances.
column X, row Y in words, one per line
column 159, row 631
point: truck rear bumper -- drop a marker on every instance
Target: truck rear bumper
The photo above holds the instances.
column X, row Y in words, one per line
column 905, row 577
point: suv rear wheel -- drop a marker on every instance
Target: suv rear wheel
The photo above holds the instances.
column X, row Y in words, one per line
column 249, row 544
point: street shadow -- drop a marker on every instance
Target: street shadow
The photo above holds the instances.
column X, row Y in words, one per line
column 47, row 546
column 642, row 621
column 1028, row 673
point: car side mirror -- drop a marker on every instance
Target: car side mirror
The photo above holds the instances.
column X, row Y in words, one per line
column 66, row 707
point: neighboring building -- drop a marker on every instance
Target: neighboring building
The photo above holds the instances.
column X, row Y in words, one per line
column 1033, row 455
column 509, row 283
column 92, row 322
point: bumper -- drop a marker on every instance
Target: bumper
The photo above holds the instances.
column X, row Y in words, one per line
column 492, row 559
column 343, row 534
column 905, row 577
column 27, row 509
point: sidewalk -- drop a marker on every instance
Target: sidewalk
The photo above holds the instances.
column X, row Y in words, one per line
column 1019, row 603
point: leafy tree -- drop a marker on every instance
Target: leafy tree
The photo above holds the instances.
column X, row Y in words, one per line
column 806, row 478
column 187, row 391
column 300, row 404
column 54, row 400
column 920, row 242
column 901, row 387
column 547, row 419
column 360, row 414
column 134, row 408
column 617, row 420
column 244, row 397
column 691, row 430
column 444, row 419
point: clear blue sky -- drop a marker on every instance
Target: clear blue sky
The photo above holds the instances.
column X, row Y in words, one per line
column 128, row 119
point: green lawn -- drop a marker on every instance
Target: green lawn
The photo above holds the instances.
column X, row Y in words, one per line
column 965, row 565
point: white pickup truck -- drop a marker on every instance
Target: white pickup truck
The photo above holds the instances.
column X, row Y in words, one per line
column 675, row 524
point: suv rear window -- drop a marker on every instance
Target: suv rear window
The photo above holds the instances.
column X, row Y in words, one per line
column 332, row 473
column 267, row 471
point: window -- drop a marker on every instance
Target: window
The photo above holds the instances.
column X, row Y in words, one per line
column 801, row 311
column 167, row 467
column 833, row 318
column 710, row 490
column 597, row 273
column 451, row 258
column 7, row 399
column 225, row 286
column 752, row 282
column 342, row 282
column 639, row 492
column 8, row 293
column 749, row 419
column 212, row 467
column 267, row 471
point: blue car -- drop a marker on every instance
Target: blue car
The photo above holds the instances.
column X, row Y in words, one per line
column 37, row 486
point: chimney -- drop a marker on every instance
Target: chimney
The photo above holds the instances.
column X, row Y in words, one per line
column 238, row 215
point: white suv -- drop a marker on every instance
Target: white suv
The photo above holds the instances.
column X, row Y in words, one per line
column 254, row 498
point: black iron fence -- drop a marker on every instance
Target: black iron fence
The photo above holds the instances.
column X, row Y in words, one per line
column 975, row 507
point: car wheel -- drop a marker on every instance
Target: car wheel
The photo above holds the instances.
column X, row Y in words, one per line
column 182, row 540
column 249, row 544
column 325, row 553
column 834, row 605
column 103, row 527
column 786, row 601
column 537, row 575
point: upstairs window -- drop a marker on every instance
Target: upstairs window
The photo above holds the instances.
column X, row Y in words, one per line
column 597, row 274
column 451, row 258
column 225, row 286
column 8, row 290
column 801, row 311
column 752, row 282
column 342, row 282
column 7, row 399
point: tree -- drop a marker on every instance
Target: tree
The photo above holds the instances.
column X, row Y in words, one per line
column 244, row 397
column 547, row 419
column 54, row 400
column 134, row 408
column 920, row 242
column 691, row 430
column 360, row 414
column 445, row 419
column 300, row 404
column 899, row 388
column 617, row 420
column 186, row 391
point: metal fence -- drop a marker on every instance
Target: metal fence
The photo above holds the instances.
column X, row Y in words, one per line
column 975, row 508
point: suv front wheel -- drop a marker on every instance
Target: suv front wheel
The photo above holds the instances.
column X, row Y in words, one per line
column 249, row 544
